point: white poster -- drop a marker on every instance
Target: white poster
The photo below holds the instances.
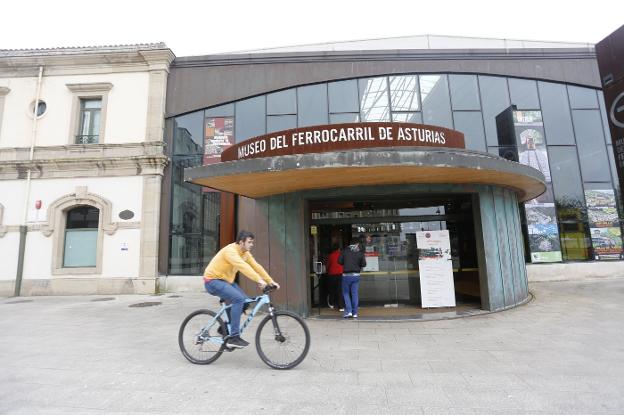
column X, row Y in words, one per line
column 437, row 288
column 372, row 263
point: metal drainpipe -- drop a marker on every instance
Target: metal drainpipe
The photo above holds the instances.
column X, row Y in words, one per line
column 23, row 227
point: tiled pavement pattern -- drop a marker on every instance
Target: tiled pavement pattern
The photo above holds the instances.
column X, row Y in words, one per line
column 563, row 353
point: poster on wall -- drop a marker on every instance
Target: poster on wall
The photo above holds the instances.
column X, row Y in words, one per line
column 437, row 287
column 604, row 224
column 219, row 135
column 543, row 232
column 541, row 215
column 531, row 142
column 371, row 253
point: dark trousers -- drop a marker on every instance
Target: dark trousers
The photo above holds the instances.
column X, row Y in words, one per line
column 335, row 290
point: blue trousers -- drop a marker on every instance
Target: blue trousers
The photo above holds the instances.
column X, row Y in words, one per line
column 232, row 294
column 350, row 287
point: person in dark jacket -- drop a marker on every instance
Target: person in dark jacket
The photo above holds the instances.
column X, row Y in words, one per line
column 352, row 260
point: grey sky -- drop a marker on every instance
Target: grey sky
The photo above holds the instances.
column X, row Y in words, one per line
column 205, row 27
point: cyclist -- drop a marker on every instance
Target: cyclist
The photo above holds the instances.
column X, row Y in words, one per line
column 219, row 280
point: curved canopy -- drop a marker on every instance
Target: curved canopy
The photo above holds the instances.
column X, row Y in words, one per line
column 262, row 177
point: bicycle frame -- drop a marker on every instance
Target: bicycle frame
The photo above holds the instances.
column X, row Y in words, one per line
column 260, row 301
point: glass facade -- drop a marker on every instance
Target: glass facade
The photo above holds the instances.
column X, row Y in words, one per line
column 574, row 141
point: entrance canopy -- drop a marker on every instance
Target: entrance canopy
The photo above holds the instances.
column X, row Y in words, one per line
column 266, row 176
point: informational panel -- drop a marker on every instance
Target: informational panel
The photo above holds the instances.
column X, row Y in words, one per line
column 437, row 288
column 540, row 213
column 604, row 224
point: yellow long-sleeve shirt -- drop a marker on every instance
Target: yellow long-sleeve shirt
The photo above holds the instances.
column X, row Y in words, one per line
column 231, row 259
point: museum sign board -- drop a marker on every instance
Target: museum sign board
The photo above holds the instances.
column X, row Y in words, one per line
column 341, row 137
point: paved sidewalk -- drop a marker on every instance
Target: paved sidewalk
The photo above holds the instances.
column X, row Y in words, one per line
column 563, row 353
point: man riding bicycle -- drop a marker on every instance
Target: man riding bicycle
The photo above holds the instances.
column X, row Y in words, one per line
column 219, row 280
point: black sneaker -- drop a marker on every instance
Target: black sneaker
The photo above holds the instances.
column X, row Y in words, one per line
column 222, row 331
column 237, row 342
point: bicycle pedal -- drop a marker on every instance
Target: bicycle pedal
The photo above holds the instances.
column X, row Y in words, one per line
column 229, row 349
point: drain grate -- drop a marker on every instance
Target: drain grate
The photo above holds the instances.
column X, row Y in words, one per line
column 175, row 296
column 103, row 299
column 19, row 301
column 146, row 304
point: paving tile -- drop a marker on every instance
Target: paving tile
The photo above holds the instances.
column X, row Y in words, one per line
column 560, row 354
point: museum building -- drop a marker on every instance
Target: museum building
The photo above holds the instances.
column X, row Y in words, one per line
column 500, row 147
column 464, row 167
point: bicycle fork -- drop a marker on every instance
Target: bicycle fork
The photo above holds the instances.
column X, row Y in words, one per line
column 276, row 329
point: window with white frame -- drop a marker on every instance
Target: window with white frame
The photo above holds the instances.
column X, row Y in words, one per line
column 89, row 107
column 90, row 119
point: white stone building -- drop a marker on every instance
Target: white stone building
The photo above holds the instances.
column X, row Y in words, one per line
column 80, row 184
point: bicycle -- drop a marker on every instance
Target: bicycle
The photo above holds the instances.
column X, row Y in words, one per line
column 204, row 342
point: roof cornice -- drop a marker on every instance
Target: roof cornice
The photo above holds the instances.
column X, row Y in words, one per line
column 382, row 55
column 21, row 63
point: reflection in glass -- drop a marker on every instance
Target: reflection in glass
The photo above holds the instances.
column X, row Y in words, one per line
column 464, row 92
column 471, row 124
column 186, row 208
column 185, row 251
column 188, row 133
column 250, row 118
column 523, row 94
column 283, row 102
column 281, row 122
column 575, row 241
column 413, row 117
column 591, row 148
column 226, row 110
column 436, row 104
column 194, row 228
column 556, row 113
column 312, row 105
column 605, row 122
column 343, row 96
column 614, row 174
column 567, row 185
column 344, row 118
column 404, row 93
column 494, row 99
column 374, row 99
column 582, row 98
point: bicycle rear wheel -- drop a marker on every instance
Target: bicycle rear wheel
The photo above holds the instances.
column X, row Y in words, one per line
column 201, row 344
column 283, row 346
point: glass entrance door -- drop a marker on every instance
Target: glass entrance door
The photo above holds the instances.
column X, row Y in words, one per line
column 387, row 232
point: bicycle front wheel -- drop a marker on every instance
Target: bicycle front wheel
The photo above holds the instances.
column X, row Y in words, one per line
column 282, row 344
column 200, row 342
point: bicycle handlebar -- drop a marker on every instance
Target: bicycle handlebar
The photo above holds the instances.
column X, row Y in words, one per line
column 268, row 289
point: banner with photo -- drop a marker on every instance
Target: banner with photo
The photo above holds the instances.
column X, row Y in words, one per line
column 541, row 215
column 604, row 224
column 531, row 142
column 543, row 232
column 218, row 135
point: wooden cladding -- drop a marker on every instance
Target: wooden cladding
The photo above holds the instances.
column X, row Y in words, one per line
column 341, row 137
